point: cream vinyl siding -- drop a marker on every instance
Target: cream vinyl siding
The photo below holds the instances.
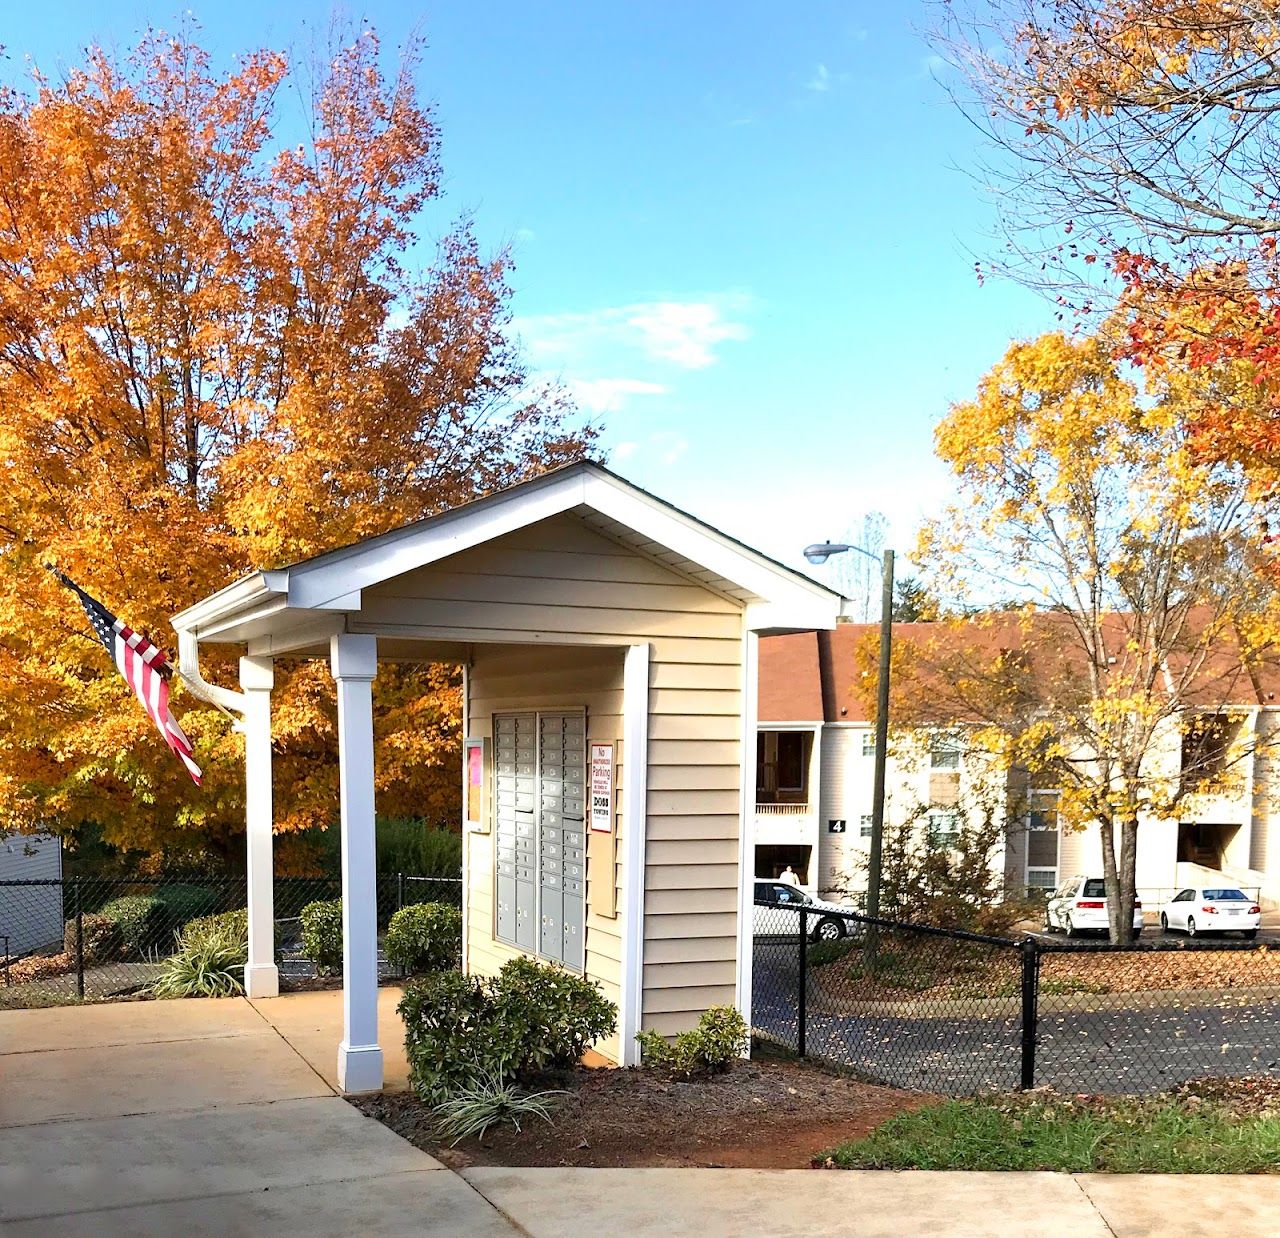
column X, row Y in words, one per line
column 569, row 679
column 570, row 600
column 838, row 868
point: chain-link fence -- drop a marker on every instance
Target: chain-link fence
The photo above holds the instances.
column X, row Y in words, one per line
column 955, row 1013
column 91, row 939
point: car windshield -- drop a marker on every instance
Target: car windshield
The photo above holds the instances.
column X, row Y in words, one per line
column 1095, row 887
column 1225, row 896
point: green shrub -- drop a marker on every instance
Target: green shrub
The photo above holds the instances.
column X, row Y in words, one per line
column 554, row 1014
column 185, row 902
column 322, row 935
column 143, row 921
column 425, row 937
column 209, row 963
column 711, row 1048
column 463, row 1033
column 226, row 926
column 101, row 939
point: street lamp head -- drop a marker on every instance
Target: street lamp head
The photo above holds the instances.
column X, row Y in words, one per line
column 820, row 552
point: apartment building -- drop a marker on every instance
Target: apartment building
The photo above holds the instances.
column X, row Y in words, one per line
column 815, row 761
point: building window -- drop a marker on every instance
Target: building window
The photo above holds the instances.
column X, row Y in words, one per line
column 782, row 766
column 791, row 762
column 943, row 825
column 1042, row 833
column 944, row 753
column 1042, row 878
column 868, row 743
column 864, row 825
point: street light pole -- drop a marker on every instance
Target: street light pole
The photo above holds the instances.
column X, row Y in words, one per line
column 882, row 740
column 820, row 553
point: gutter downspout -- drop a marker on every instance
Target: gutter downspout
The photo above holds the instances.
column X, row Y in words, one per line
column 229, row 702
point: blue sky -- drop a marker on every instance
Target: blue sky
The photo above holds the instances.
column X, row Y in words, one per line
column 743, row 231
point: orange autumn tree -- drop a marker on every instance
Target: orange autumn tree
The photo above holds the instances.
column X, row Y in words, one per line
column 223, row 348
column 1133, row 151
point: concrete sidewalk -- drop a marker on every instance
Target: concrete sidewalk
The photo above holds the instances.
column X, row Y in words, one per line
column 200, row 1118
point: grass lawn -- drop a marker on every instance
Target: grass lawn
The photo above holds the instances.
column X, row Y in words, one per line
column 1210, row 1126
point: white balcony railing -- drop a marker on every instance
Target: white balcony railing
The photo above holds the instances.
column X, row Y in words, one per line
column 782, row 810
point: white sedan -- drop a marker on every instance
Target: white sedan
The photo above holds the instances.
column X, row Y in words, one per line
column 1211, row 909
column 1079, row 905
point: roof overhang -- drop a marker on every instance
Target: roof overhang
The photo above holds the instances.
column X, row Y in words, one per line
column 313, row 597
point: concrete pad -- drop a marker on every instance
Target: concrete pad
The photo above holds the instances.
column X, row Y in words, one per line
column 154, row 1077
column 312, row 1024
column 700, row 1203
column 405, row 1205
column 1135, row 1205
column 67, row 1167
column 118, row 1023
column 321, row 1011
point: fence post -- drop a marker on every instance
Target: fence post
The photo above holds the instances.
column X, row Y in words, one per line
column 399, row 891
column 802, row 998
column 79, row 906
column 1030, row 1003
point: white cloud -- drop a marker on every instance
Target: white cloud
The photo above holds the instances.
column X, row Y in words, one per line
column 607, row 395
column 682, row 333
column 623, row 450
column 820, row 81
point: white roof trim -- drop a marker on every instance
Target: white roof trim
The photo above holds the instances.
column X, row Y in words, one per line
column 784, row 599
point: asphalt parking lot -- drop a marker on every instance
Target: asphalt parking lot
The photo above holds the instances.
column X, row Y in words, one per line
column 1110, row 1041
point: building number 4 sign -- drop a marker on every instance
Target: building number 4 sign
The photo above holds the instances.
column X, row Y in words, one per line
column 602, row 788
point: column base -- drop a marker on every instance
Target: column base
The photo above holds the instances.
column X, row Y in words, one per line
column 359, row 1068
column 261, row 980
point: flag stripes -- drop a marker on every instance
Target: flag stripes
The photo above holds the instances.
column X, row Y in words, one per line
column 144, row 668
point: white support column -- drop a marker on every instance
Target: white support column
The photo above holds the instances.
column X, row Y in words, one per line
column 261, row 976
column 354, row 662
column 635, row 794
column 746, row 826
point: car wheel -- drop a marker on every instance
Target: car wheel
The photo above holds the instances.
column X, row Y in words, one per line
column 1191, row 926
column 1251, row 934
column 1164, row 923
column 1068, row 927
column 829, row 930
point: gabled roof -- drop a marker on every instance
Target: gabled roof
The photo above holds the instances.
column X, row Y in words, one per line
column 777, row 597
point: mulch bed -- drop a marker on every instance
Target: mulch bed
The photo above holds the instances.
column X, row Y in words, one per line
column 763, row 1114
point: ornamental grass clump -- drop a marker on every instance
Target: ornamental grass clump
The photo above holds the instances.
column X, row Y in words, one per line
column 208, row 963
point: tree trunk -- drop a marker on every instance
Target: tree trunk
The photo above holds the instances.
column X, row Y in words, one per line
column 1121, row 915
column 1118, row 872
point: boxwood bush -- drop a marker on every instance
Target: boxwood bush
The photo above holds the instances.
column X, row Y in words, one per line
column 142, row 919
column 462, row 1032
column 227, row 928
column 425, row 937
column 101, row 939
column 322, row 935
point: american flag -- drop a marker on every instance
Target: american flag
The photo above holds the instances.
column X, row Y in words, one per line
column 145, row 669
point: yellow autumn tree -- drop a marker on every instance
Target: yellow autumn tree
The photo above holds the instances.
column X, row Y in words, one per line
column 223, row 348
column 1120, row 672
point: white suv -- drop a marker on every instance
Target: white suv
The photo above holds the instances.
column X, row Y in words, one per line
column 768, row 920
column 1079, row 905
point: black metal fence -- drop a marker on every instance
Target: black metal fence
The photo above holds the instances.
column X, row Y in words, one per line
column 91, row 939
column 956, row 1013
